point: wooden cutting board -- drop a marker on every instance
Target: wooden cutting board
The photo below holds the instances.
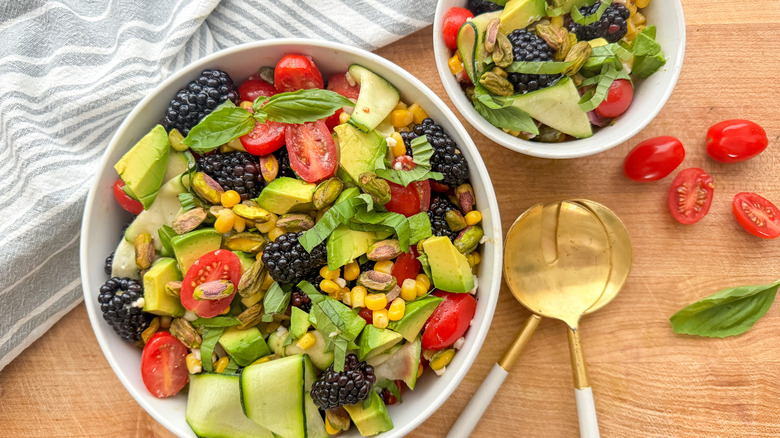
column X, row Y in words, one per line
column 647, row 381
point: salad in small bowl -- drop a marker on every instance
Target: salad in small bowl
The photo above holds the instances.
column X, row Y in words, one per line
column 303, row 248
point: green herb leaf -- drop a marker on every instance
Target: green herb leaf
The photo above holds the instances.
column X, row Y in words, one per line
column 217, row 321
column 593, row 98
column 613, row 49
column 166, row 233
column 299, row 106
column 337, row 215
column 219, row 127
column 539, row 67
column 510, row 117
column 187, row 201
column 390, row 386
column 426, row 265
column 729, row 312
column 647, row 54
column 577, row 16
column 276, row 300
column 231, row 367
column 422, row 152
column 210, row 338
column 420, row 227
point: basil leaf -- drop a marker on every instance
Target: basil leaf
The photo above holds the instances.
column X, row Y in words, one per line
column 729, row 312
column 577, row 16
column 276, row 300
column 217, row 321
column 422, row 151
column 300, row 106
column 390, row 386
column 166, row 233
column 420, row 227
column 647, row 54
column 210, row 338
column 337, row 215
column 511, row 118
column 539, row 67
column 613, row 49
column 218, row 128
column 591, row 100
column 187, row 201
column 231, row 367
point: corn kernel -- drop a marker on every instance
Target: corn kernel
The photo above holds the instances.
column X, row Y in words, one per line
column 151, row 330
column 639, row 18
column 441, row 359
column 266, row 227
column 473, row 217
column 401, row 118
column 473, row 258
column 343, row 118
column 418, row 112
column 224, row 221
column 230, row 198
column 252, row 299
column 239, row 224
column 376, row 301
column 267, row 282
column 359, row 296
column 400, row 105
column 276, row 232
column 455, row 64
column 346, row 297
column 330, row 275
column 409, row 289
column 557, row 21
column 221, row 364
column 330, row 429
column 380, row 318
column 397, row 309
column 306, row 341
column 631, row 6
column 245, row 104
column 263, row 359
column 399, row 149
column 633, row 29
column 329, row 286
column 385, row 266
column 642, row 3
column 423, row 284
column 420, row 371
column 194, row 365
column 352, row 271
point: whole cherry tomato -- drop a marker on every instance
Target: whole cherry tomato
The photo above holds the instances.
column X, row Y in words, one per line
column 732, row 141
column 449, row 321
column 619, row 98
column 690, row 195
column 296, row 72
column 164, row 365
column 313, row 153
column 653, row 159
column 340, row 84
column 406, row 266
column 757, row 216
column 216, row 265
column 254, row 87
column 124, row 200
column 453, row 20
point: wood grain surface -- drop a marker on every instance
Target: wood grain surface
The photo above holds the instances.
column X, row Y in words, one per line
column 647, row 381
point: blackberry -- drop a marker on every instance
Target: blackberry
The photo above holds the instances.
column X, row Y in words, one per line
column 283, row 157
column 193, row 102
column 348, row 387
column 121, row 303
column 481, row 6
column 237, row 171
column 108, row 264
column 440, row 205
column 527, row 46
column 300, row 299
column 612, row 26
column 288, row 262
column 447, row 158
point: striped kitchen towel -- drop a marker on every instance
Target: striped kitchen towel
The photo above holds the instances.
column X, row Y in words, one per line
column 71, row 70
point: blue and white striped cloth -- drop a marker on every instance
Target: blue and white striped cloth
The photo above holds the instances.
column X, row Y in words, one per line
column 70, row 70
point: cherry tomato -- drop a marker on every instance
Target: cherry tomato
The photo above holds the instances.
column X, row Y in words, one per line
column 164, row 365
column 424, row 192
column 449, row 321
column 332, row 121
column 366, row 314
column 340, row 84
column 128, row 203
column 619, row 98
column 296, row 72
column 313, row 153
column 404, row 162
column 732, row 141
column 403, row 200
column 265, row 138
column 406, row 265
column 453, row 20
column 254, row 87
column 439, row 187
column 690, row 195
column 216, row 265
column 653, row 159
column 757, row 216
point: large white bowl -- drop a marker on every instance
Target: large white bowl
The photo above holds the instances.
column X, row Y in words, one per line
column 650, row 94
column 103, row 219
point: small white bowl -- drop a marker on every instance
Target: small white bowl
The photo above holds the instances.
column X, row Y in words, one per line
column 650, row 94
column 103, row 219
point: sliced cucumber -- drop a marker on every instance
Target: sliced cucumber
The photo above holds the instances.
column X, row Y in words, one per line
column 214, row 409
column 376, row 100
column 162, row 212
column 272, row 395
column 401, row 365
column 124, row 261
column 471, row 44
column 315, row 425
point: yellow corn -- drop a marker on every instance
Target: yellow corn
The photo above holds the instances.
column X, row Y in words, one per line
column 346, row 296
column 330, row 275
column 380, row 318
column 473, row 258
column 642, row 3
column 423, row 284
column 306, row 341
column 239, row 224
column 330, row 429
column 268, row 226
column 276, row 232
column 399, row 148
column 401, row 118
column 420, row 371
column 455, row 63
column 245, row 104
column 441, row 359
column 352, row 271
column 224, row 221
column 473, row 217
column 151, row 330
column 631, row 6
column 633, row 29
column 400, row 105
column 385, row 266
column 409, row 289
column 230, row 198
column 359, row 296
column 376, row 301
column 343, row 118
column 194, row 365
column 557, row 21
column 221, row 364
column 418, row 112
column 263, row 359
column 639, row 18
column 397, row 309
column 267, row 282
column 329, row 286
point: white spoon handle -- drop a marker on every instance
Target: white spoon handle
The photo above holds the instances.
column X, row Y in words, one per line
column 470, row 416
column 586, row 411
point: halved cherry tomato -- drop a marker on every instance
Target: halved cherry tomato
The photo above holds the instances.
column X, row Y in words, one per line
column 453, row 20
column 403, row 200
column 757, row 216
column 124, row 200
column 313, row 153
column 653, row 159
column 424, row 192
column 732, row 141
column 406, row 265
column 254, row 87
column 296, row 72
column 449, row 321
column 690, row 195
column 265, row 138
column 164, row 365
column 340, row 84
column 619, row 98
column 404, row 162
column 332, row 121
column 216, row 265
column 367, row 314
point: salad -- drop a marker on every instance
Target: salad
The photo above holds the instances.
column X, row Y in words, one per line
column 551, row 70
column 302, row 251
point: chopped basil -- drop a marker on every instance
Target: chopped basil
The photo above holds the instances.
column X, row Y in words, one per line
column 276, row 300
column 593, row 98
column 217, row 321
column 187, row 201
column 422, row 151
column 210, row 338
column 577, row 16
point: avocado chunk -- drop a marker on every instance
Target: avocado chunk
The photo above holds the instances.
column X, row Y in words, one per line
column 143, row 167
column 370, row 417
column 376, row 100
column 417, row 313
column 518, row 14
column 191, row 246
column 359, row 150
column 156, row 300
column 299, row 322
column 345, row 245
column 177, row 164
column 162, row 212
column 244, row 346
column 284, row 195
column 374, row 341
column 450, row 269
column 557, row 107
column 124, row 261
column 401, row 365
